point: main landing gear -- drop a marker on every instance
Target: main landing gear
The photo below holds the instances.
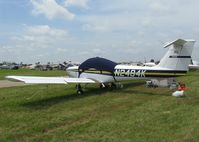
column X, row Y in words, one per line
column 102, row 86
column 111, row 85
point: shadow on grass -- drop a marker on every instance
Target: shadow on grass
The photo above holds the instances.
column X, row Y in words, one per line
column 146, row 90
column 148, row 93
column 48, row 102
column 133, row 84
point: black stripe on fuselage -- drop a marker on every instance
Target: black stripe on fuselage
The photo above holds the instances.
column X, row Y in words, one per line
column 163, row 75
column 166, row 71
column 98, row 72
column 179, row 56
column 139, row 73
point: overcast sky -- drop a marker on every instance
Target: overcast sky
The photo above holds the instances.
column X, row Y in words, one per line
column 120, row 30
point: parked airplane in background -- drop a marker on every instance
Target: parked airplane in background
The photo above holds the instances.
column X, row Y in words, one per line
column 108, row 73
column 194, row 65
column 9, row 66
column 149, row 64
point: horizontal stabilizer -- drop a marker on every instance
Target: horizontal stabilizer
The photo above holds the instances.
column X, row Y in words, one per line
column 177, row 43
column 48, row 80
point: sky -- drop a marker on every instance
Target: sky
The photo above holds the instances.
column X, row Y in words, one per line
column 75, row 30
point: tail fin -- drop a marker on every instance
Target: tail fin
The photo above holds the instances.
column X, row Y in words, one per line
column 178, row 56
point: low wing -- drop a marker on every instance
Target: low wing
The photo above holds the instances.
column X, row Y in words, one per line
column 48, row 80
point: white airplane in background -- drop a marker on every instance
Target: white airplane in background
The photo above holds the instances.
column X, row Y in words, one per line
column 194, row 65
column 149, row 64
column 107, row 73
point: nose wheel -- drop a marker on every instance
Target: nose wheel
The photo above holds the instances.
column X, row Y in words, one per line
column 79, row 89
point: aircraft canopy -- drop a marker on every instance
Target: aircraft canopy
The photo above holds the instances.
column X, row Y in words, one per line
column 98, row 63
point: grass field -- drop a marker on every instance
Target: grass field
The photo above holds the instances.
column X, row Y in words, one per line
column 134, row 113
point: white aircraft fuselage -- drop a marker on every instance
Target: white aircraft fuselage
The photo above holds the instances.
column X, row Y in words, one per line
column 125, row 72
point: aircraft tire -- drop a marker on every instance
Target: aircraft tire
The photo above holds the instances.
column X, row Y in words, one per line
column 80, row 92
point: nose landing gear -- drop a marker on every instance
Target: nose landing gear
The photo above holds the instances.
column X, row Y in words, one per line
column 79, row 89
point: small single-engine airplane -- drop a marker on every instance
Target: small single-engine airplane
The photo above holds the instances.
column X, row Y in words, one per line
column 107, row 73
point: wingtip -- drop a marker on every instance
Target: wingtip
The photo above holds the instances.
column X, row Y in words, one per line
column 8, row 77
column 13, row 78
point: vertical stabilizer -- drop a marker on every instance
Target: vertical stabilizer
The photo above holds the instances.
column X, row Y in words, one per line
column 178, row 56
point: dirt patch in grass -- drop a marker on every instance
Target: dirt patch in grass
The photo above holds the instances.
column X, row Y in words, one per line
column 6, row 83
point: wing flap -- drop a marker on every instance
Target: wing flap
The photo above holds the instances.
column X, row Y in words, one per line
column 48, row 80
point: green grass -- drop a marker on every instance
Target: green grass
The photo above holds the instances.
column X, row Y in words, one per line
column 6, row 72
column 134, row 113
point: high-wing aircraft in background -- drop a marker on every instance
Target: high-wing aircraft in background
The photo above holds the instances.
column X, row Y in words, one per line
column 108, row 73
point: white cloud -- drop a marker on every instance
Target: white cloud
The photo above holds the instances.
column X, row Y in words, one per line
column 62, row 50
column 42, row 36
column 159, row 7
column 95, row 27
column 78, row 3
column 41, row 40
column 45, row 30
column 51, row 9
column 104, row 23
